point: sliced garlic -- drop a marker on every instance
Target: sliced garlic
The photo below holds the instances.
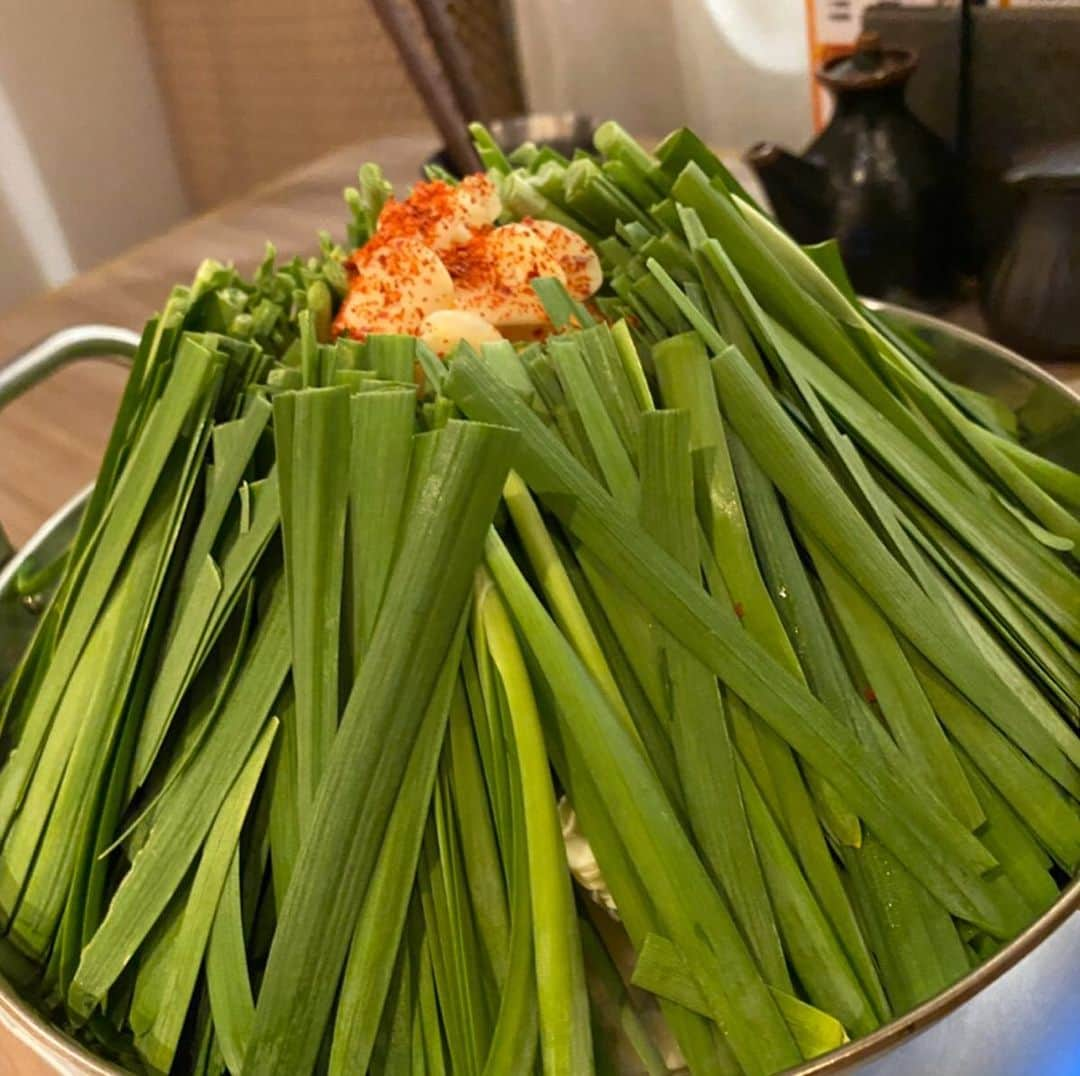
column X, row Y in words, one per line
column 494, row 278
column 443, row 216
column 577, row 259
column 471, row 207
column 441, row 330
column 478, row 202
column 398, row 283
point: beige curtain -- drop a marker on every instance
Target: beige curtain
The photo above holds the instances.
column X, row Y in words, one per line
column 254, row 87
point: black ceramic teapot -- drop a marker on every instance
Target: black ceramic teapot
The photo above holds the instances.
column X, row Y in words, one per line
column 876, row 178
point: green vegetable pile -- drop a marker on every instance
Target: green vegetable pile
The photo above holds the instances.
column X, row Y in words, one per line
column 729, row 582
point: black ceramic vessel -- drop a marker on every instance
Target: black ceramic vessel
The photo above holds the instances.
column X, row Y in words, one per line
column 1032, row 297
column 876, row 178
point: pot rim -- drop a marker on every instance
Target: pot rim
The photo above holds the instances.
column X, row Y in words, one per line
column 950, row 999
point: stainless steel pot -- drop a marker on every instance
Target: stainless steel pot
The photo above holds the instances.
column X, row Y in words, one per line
column 1016, row 1015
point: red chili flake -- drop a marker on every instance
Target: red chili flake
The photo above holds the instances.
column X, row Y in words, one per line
column 471, row 265
column 869, row 694
column 487, row 272
column 420, row 214
column 739, row 610
column 375, row 300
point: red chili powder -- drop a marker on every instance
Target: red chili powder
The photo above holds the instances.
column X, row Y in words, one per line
column 420, row 214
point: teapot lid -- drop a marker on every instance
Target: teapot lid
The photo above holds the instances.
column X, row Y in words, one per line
column 869, row 67
column 1058, row 166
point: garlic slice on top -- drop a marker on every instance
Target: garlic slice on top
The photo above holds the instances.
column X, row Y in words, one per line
column 443, row 329
column 492, row 275
column 576, row 258
column 443, row 216
column 398, row 283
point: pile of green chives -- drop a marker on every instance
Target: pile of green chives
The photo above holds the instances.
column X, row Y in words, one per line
column 724, row 579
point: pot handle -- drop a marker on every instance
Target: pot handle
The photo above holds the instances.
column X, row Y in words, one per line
column 59, row 349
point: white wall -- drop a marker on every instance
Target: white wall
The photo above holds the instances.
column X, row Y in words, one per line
column 734, row 70
column 607, row 59
column 19, row 276
column 745, row 70
column 86, row 167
